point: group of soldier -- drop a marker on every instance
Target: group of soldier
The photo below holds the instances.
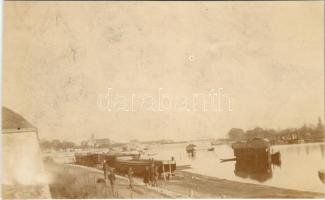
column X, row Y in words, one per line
column 151, row 175
column 109, row 175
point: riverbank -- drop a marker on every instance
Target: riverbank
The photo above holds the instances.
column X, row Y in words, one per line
column 200, row 186
column 75, row 181
column 71, row 181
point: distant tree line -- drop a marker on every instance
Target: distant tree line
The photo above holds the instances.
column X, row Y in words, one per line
column 306, row 132
column 56, row 144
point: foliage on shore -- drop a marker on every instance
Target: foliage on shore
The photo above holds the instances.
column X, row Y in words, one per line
column 306, row 132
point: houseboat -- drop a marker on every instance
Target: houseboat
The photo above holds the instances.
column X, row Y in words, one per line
column 254, row 149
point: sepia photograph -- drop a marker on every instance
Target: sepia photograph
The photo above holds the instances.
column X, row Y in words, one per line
column 162, row 100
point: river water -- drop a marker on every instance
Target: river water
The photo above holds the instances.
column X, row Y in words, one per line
column 299, row 167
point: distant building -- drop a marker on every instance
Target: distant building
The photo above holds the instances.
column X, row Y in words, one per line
column 102, row 141
column 84, row 143
column 93, row 142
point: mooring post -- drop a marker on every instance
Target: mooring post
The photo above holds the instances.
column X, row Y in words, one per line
column 170, row 170
column 95, row 184
column 88, row 183
column 106, row 187
column 164, row 171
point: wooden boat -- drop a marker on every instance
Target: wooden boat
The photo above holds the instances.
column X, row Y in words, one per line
column 115, row 161
column 227, row 160
column 139, row 166
column 96, row 159
column 89, row 159
column 190, row 148
column 211, row 149
column 256, row 150
column 275, row 157
column 296, row 141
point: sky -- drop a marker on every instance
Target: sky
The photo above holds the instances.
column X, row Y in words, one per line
column 61, row 58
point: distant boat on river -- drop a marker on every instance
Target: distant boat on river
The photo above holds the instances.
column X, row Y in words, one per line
column 211, row 149
column 190, row 148
column 321, row 176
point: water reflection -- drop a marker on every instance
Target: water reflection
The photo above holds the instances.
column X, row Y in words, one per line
column 191, row 155
column 307, row 149
column 299, row 169
column 258, row 169
column 255, row 170
column 322, row 150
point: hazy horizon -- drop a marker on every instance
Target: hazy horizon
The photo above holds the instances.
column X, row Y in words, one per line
column 60, row 58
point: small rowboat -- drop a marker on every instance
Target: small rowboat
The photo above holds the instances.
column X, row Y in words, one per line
column 211, row 149
column 276, row 158
column 321, row 176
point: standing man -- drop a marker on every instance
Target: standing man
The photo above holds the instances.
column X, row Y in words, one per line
column 146, row 176
column 130, row 176
column 156, row 174
column 152, row 174
column 105, row 169
column 112, row 179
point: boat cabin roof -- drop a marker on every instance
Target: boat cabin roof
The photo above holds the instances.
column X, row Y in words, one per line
column 255, row 143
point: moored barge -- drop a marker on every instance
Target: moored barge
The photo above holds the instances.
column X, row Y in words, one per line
column 138, row 165
column 251, row 150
